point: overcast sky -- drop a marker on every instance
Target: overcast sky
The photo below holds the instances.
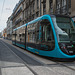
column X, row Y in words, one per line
column 6, row 9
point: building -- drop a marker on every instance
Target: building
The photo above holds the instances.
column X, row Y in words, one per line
column 73, row 9
column 17, row 15
column 5, row 33
column 0, row 34
column 9, row 28
column 35, row 8
column 27, row 10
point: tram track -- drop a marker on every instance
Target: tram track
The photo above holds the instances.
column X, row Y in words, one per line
column 21, row 59
column 28, row 64
column 66, row 65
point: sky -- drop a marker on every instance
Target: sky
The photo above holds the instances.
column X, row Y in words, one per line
column 6, row 9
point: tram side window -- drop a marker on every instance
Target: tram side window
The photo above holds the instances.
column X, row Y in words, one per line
column 17, row 36
column 46, row 31
column 13, row 36
column 21, row 35
column 37, row 32
column 31, row 33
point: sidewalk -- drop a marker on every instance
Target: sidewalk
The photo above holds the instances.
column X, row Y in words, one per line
column 10, row 63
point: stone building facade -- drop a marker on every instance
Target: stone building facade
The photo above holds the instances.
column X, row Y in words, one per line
column 27, row 10
column 0, row 34
column 17, row 15
column 35, row 8
column 73, row 9
column 9, row 28
column 5, row 33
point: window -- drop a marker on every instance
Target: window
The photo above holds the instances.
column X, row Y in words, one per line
column 51, row 2
column 69, row 3
column 13, row 36
column 46, row 31
column 58, row 5
column 46, row 37
column 33, row 16
column 64, row 29
column 37, row 3
column 33, row 7
column 40, row 35
column 44, row 8
column 37, row 14
column 31, row 33
column 63, row 2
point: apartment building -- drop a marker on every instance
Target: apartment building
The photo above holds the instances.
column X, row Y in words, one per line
column 17, row 15
column 73, row 10
column 9, row 28
column 27, row 10
column 35, row 8
column 0, row 34
column 5, row 33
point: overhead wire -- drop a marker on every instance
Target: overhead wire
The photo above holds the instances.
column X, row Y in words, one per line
column 2, row 9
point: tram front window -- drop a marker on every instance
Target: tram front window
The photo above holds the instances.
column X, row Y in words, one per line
column 65, row 29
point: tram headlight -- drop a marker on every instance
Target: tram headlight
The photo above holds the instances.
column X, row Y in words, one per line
column 62, row 46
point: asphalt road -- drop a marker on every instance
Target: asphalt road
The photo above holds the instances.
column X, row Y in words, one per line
column 16, row 61
column 10, row 63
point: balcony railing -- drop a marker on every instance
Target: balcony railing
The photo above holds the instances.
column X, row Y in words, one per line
column 18, row 21
column 62, row 10
column 17, row 13
column 58, row 11
column 17, row 5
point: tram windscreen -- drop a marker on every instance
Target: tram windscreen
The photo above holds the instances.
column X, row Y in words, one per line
column 65, row 28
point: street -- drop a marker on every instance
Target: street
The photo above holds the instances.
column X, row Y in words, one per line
column 11, row 64
column 37, row 37
column 17, row 61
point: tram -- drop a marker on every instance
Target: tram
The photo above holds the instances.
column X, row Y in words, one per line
column 48, row 35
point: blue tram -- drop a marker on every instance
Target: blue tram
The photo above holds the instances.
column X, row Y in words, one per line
column 48, row 35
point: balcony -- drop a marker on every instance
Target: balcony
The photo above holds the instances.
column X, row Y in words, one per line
column 62, row 10
column 18, row 21
column 58, row 11
column 19, row 11
column 17, row 5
